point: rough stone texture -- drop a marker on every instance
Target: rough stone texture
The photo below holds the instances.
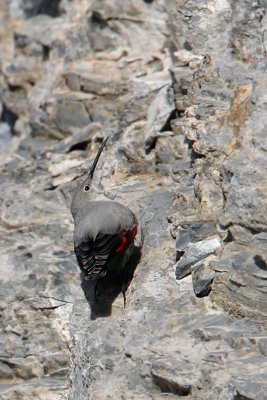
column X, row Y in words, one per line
column 180, row 87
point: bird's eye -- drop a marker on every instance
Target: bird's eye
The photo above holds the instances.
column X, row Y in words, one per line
column 86, row 188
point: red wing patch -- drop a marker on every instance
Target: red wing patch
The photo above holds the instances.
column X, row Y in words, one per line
column 122, row 245
column 127, row 239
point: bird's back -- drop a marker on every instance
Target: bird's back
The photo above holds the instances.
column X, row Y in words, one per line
column 103, row 230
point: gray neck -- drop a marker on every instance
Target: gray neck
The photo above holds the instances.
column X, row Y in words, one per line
column 82, row 199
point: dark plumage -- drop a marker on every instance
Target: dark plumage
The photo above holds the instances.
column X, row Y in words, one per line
column 104, row 230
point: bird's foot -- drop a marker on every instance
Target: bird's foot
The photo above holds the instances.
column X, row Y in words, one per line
column 95, row 291
column 124, row 298
column 123, row 291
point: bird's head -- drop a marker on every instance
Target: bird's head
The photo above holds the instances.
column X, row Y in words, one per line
column 85, row 191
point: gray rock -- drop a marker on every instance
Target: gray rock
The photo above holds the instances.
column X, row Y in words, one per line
column 166, row 383
column 243, row 274
column 191, row 232
column 160, row 111
column 194, row 253
column 79, row 140
column 5, row 135
column 202, row 278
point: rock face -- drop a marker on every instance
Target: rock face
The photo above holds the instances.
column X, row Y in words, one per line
column 180, row 88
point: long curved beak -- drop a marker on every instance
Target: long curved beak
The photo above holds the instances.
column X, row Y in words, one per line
column 92, row 170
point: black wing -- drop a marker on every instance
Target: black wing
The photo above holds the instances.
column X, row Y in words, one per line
column 94, row 256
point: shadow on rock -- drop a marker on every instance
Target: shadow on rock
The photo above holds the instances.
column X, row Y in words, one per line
column 101, row 294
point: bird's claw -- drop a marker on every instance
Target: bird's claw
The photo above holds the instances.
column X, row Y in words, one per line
column 95, row 291
column 124, row 297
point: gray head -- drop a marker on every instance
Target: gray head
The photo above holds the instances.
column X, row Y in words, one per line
column 84, row 191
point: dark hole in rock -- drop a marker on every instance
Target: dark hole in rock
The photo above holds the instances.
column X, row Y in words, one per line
column 226, row 175
column 99, row 139
column 46, row 7
column 226, row 226
column 184, row 90
column 13, row 88
column 167, row 385
column 21, row 41
column 50, row 186
column 189, row 143
column 194, row 154
column 21, row 247
column 224, row 198
column 151, row 145
column 188, row 46
column 239, row 396
column 202, row 281
column 180, row 113
column 179, row 254
column 254, row 231
column 148, row 1
column 182, row 87
column 98, row 19
column 260, row 262
column 167, row 125
column 79, row 146
column 205, row 292
column 9, row 117
column 46, row 52
column 229, row 237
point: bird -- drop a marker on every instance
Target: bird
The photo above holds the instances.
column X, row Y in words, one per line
column 104, row 230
